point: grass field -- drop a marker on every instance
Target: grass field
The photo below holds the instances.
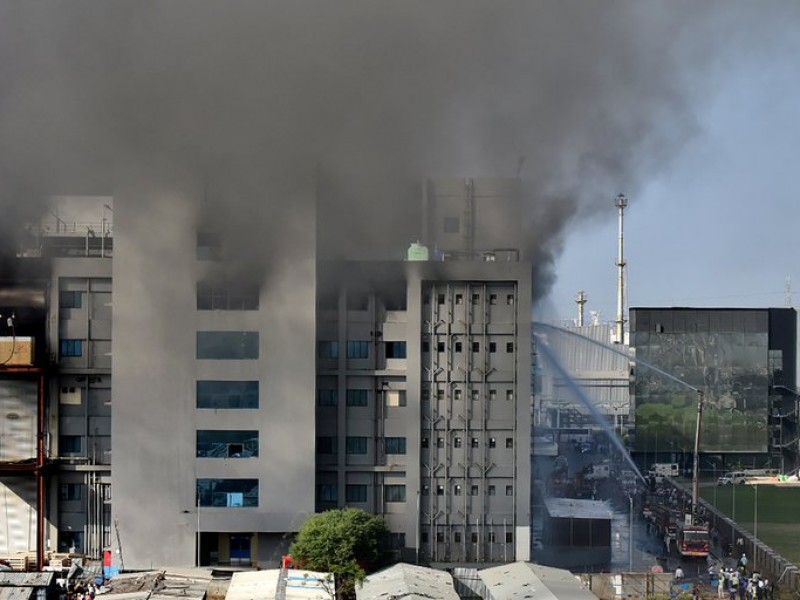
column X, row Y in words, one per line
column 770, row 512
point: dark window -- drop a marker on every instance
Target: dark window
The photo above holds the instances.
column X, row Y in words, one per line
column 510, row 299
column 328, row 397
column 224, row 443
column 231, row 493
column 474, row 538
column 440, row 299
column 424, row 442
column 394, row 493
column 459, row 346
column 395, row 349
column 426, row 346
column 492, row 490
column 356, row 445
column 397, row 540
column 440, row 346
column 69, row 299
column 326, row 445
column 355, row 493
column 492, row 443
column 440, row 490
column 457, row 442
column 69, row 444
column 440, row 536
column 227, row 295
column 356, row 397
column 357, row 349
column 509, row 347
column 459, row 298
column 476, row 346
column 71, row 491
column 509, row 490
column 394, row 445
column 328, row 349
column 209, row 246
column 509, row 537
column 227, row 345
column 492, row 298
column 71, row 348
column 457, row 489
column 457, row 537
column 492, row 347
column 473, row 490
column 440, row 442
column 476, row 298
column 474, row 442
column 326, row 492
column 509, row 442
column 227, row 394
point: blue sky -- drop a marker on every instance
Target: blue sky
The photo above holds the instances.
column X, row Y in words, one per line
column 719, row 227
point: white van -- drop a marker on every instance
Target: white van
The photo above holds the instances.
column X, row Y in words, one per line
column 732, row 478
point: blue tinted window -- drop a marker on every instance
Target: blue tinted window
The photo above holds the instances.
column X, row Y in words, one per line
column 394, row 445
column 394, row 493
column 356, row 397
column 223, row 443
column 69, row 444
column 357, row 349
column 355, row 493
column 227, row 345
column 356, row 445
column 71, row 347
column 326, row 492
column 227, row 295
column 328, row 349
column 230, row 493
column 227, row 394
column 395, row 349
column 328, row 397
column 69, row 299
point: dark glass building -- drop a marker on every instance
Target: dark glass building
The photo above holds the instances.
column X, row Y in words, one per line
column 743, row 360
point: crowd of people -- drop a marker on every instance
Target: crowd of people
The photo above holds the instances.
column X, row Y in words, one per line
column 77, row 591
column 740, row 584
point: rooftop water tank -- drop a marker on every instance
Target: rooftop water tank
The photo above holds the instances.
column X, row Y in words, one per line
column 417, row 252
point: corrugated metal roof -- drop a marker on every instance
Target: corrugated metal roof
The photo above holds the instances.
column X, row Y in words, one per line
column 263, row 585
column 13, row 578
column 565, row 508
column 17, row 593
column 159, row 585
column 408, row 582
column 525, row 581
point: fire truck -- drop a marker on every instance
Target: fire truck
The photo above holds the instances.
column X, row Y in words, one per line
column 693, row 541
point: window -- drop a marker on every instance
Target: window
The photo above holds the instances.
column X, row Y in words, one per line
column 69, row 444
column 492, row 442
column 491, row 537
column 424, row 537
column 476, row 298
column 509, row 490
column 71, row 348
column 326, row 492
column 209, row 246
column 492, row 394
column 459, row 347
column 473, row 490
column 440, row 299
column 355, row 493
column 397, row 541
column 473, row 538
column 457, row 394
column 440, row 442
column 394, row 445
column 227, row 345
column 457, row 489
column 509, row 347
column 224, row 443
column 326, row 444
column 424, row 442
column 457, row 442
column 357, row 349
column 70, row 541
column 440, row 490
column 474, row 442
column 509, row 442
column 328, row 397
column 459, row 298
column 457, row 537
column 69, row 299
column 231, row 493
column 440, row 394
column 356, row 445
column 394, row 493
column 328, row 349
column 71, row 491
column 509, row 537
column 426, row 490
column 451, row 225
column 492, row 298
column 426, row 346
column 492, row 491
column 227, row 295
column 509, row 394
column 426, row 394
column 440, row 346
column 476, row 346
column 395, row 349
column 227, row 394
column 356, row 397
column 395, row 397
column 440, row 536
column 476, row 394
column 492, row 346
column 510, row 299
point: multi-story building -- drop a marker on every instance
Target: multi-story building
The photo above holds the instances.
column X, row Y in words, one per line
column 742, row 360
column 254, row 384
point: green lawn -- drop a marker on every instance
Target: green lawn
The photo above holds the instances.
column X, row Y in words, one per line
column 778, row 522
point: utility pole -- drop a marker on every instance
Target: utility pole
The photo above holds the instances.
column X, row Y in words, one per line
column 580, row 300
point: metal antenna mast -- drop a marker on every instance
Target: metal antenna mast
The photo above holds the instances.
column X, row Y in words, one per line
column 620, row 202
column 580, row 300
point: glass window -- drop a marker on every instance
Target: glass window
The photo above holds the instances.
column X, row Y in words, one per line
column 227, row 295
column 476, row 346
column 326, row 492
column 394, row 493
column 71, row 348
column 326, row 444
column 509, row 442
column 328, row 349
column 395, row 397
column 69, row 444
column 459, row 298
column 356, row 445
column 509, row 490
column 328, row 397
column 71, row 491
column 492, row 490
column 424, row 442
column 457, row 442
column 394, row 445
column 231, row 493
column 223, row 443
column 69, row 299
column 355, row 493
column 509, row 537
column 457, row 537
column 473, row 490
column 509, row 347
column 395, row 349
column 492, row 442
column 357, row 349
column 457, row 489
column 227, row 345
column 492, row 346
column 440, row 346
column 459, row 346
column 492, row 298
column 356, row 397
column 510, row 299
column 509, row 394
column 474, row 442
column 227, row 394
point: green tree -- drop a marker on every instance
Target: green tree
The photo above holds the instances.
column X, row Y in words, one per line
column 347, row 542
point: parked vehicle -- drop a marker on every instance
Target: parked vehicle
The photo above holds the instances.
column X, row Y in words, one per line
column 599, row 471
column 732, row 478
column 660, row 470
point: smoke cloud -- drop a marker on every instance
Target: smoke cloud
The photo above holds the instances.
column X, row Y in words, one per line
column 582, row 100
